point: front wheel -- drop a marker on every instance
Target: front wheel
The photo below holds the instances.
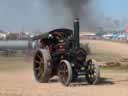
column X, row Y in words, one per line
column 92, row 72
column 65, row 72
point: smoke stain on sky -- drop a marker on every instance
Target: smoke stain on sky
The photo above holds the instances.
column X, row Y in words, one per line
column 74, row 8
column 44, row 15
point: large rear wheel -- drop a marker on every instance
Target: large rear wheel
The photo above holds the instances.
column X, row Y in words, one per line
column 42, row 65
column 65, row 72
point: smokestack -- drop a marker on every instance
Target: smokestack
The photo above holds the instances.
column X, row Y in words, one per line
column 77, row 32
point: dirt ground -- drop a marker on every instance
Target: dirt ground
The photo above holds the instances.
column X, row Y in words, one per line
column 108, row 47
column 107, row 50
column 22, row 83
column 17, row 80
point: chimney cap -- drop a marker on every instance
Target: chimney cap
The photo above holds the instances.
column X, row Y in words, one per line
column 76, row 20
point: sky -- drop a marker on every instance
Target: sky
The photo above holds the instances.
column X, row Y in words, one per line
column 114, row 8
column 39, row 15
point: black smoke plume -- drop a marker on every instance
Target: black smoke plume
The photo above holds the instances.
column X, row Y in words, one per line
column 77, row 8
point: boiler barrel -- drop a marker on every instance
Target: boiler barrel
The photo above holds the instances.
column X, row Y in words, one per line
column 14, row 44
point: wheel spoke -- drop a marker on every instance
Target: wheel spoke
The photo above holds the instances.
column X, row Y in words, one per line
column 39, row 57
column 37, row 69
column 63, row 72
column 93, row 67
column 42, row 61
column 66, row 71
column 39, row 65
column 91, row 72
column 39, row 74
column 38, row 62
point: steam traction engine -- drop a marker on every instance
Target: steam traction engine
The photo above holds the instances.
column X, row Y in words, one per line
column 60, row 54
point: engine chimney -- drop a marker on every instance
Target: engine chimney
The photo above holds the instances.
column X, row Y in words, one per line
column 77, row 32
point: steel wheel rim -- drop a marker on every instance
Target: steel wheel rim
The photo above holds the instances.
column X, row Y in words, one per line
column 38, row 65
column 91, row 72
column 63, row 72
